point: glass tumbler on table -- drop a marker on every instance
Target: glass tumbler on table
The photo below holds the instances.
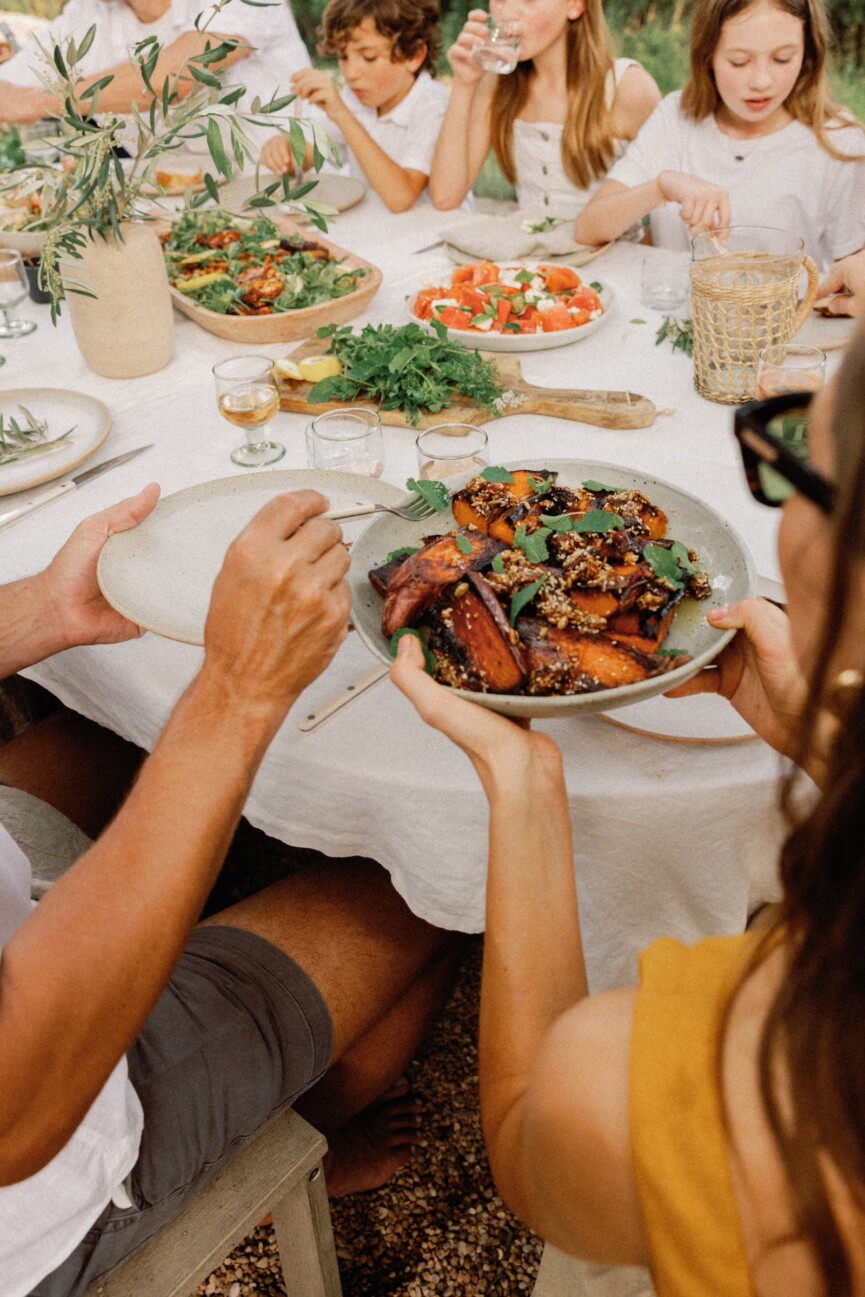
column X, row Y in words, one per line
column 499, row 51
column 248, row 397
column 14, row 287
column 347, row 440
column 449, row 449
column 789, row 367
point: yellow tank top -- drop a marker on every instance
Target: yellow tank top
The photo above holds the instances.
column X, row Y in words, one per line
column 677, row 1135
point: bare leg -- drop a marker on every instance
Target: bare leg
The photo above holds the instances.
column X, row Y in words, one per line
column 75, row 765
column 385, row 975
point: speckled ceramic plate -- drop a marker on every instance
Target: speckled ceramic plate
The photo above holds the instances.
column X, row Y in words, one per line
column 160, row 574
column 722, row 553
column 61, row 409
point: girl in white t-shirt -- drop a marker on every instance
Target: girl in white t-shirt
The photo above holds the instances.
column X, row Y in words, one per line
column 556, row 122
column 753, row 139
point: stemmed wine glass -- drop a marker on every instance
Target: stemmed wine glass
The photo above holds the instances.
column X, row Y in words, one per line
column 248, row 396
column 13, row 289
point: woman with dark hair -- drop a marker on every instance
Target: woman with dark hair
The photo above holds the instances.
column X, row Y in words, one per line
column 754, row 138
column 711, row 1122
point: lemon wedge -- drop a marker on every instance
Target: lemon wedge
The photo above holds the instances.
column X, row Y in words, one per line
column 319, row 367
column 288, row 369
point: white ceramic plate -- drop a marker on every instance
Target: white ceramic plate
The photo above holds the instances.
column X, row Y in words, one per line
column 579, row 257
column 522, row 341
column 161, row 573
column 829, row 332
column 339, row 192
column 720, row 550
column 60, row 409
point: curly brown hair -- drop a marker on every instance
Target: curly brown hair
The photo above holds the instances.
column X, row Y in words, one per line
column 408, row 24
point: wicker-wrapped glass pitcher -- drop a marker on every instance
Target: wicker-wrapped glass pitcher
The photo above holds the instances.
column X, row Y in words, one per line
column 745, row 296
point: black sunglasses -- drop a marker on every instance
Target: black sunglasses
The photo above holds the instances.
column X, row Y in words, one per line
column 773, row 438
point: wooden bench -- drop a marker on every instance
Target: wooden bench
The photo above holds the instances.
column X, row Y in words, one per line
column 281, row 1173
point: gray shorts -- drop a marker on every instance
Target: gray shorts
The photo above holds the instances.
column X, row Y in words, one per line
column 239, row 1032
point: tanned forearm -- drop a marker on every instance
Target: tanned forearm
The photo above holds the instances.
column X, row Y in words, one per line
column 397, row 186
column 462, row 145
column 27, row 635
column 609, row 214
column 80, row 976
column 533, row 959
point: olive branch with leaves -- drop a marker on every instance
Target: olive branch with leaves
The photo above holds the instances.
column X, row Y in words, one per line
column 98, row 193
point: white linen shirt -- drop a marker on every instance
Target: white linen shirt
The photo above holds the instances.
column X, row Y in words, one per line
column 786, row 180
column 277, row 53
column 45, row 1217
column 408, row 133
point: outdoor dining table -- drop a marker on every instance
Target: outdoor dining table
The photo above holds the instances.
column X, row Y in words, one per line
column 670, row 838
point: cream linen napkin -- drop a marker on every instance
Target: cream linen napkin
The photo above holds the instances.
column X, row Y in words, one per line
column 505, row 238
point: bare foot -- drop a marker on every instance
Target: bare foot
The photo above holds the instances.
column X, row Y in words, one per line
column 365, row 1152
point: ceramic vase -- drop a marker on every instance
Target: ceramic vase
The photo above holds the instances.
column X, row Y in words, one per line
column 127, row 328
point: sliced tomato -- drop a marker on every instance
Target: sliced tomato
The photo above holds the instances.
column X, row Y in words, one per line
column 503, row 310
column 485, row 272
column 462, row 275
column 556, row 319
column 560, row 279
column 580, row 317
column 453, row 318
column 586, row 299
column 424, row 300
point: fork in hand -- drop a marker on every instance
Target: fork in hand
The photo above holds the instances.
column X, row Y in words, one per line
column 416, row 510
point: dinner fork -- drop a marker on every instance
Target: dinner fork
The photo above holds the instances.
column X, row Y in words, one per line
column 417, row 510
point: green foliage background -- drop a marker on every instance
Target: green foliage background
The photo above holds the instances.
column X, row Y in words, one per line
column 653, row 31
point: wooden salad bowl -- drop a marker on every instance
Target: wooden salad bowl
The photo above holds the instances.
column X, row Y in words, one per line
column 289, row 325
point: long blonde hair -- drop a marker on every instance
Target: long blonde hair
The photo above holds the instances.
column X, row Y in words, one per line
column 809, row 102
column 587, row 137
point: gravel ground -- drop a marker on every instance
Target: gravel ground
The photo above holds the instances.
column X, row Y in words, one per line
column 439, row 1227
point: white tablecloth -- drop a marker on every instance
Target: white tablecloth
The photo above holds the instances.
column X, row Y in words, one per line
column 669, row 839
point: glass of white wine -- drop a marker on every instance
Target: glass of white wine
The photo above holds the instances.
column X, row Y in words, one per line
column 451, row 448
column 14, row 287
column 248, row 396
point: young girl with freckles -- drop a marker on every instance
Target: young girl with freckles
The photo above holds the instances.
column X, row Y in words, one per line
column 753, row 139
column 556, row 123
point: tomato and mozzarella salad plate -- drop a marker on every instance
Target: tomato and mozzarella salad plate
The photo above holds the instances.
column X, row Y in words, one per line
column 518, row 306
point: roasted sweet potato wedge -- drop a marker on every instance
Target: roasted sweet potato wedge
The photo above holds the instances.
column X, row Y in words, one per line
column 381, row 577
column 567, row 661
column 472, row 641
column 641, row 630
column 423, row 577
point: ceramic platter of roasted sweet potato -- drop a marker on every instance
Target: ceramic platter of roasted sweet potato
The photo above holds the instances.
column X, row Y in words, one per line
column 586, row 591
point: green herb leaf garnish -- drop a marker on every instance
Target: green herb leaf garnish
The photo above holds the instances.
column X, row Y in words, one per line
column 429, row 660
column 671, row 653
column 405, row 552
column 532, row 543
column 464, row 545
column 665, row 566
column 636, row 321
column 540, row 485
column 592, row 485
column 558, row 522
column 598, row 521
column 683, row 558
column 496, row 474
column 522, row 597
column 436, row 494
column 597, row 287
column 498, row 565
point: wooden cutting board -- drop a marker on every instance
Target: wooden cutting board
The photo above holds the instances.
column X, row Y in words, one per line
column 606, row 409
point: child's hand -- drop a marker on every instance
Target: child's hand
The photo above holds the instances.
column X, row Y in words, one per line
column 277, row 155
column 319, row 88
column 703, row 206
column 465, row 70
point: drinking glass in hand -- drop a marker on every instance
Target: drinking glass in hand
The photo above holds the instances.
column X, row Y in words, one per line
column 14, row 287
column 451, row 448
column 499, row 51
column 789, row 367
column 248, row 397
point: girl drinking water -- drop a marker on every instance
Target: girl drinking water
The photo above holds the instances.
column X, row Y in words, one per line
column 753, row 139
column 556, row 123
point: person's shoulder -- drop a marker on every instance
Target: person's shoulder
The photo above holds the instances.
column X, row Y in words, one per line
column 426, row 90
column 637, row 97
column 846, row 134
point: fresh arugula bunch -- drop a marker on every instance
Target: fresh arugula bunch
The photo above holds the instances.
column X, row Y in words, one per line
column 406, row 369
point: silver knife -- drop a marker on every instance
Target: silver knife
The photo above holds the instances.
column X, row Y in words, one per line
column 61, row 488
column 333, row 704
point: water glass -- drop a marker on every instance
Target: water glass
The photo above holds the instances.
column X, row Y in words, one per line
column 348, row 440
column 788, row 367
column 665, row 280
column 499, row 51
column 14, row 287
column 248, row 396
column 449, row 449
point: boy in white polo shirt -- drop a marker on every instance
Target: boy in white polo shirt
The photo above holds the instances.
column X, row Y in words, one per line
column 390, row 110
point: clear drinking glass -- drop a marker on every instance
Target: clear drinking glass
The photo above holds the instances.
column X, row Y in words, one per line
column 789, row 368
column 248, row 397
column 499, row 51
column 14, row 287
column 665, row 280
column 451, row 448
column 347, row 440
